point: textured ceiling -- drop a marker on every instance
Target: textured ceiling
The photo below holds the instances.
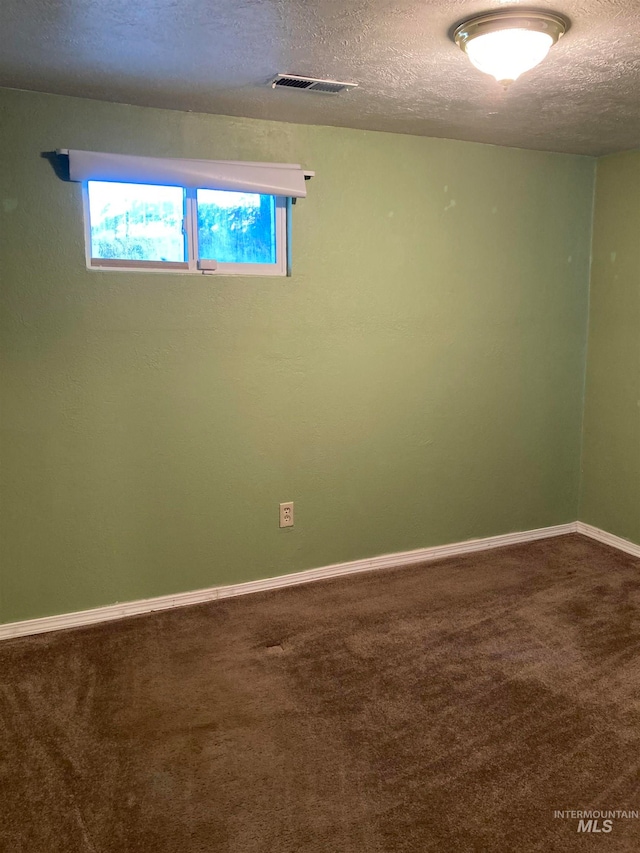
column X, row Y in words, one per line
column 216, row 56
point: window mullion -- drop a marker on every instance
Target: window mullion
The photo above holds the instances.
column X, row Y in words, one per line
column 191, row 220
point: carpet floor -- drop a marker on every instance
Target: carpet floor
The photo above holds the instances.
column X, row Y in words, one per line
column 450, row 707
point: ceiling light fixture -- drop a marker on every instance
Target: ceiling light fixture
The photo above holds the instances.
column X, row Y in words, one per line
column 507, row 43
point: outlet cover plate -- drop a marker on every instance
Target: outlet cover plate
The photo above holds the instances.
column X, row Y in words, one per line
column 286, row 514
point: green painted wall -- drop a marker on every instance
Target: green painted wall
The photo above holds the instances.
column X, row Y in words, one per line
column 611, row 452
column 418, row 381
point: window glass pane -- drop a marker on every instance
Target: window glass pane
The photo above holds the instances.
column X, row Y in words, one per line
column 136, row 222
column 236, row 228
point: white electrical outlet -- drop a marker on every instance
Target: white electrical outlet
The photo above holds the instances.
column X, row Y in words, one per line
column 286, row 514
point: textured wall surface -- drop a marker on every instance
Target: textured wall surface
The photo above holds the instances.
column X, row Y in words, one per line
column 611, row 454
column 417, row 381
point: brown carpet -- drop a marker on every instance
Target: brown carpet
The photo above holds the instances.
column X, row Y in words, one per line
column 451, row 707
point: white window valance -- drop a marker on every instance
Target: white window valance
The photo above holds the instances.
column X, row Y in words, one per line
column 281, row 179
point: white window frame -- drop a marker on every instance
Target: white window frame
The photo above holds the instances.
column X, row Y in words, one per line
column 193, row 265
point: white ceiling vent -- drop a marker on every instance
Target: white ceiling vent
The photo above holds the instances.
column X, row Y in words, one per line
column 310, row 84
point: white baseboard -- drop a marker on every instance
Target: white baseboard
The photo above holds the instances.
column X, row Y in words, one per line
column 608, row 538
column 182, row 599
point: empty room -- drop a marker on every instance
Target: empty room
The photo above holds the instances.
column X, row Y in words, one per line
column 320, row 426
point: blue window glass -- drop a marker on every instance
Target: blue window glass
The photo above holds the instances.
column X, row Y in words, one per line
column 136, row 222
column 236, row 228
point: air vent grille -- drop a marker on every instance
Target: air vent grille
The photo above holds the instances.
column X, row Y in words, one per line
column 310, row 84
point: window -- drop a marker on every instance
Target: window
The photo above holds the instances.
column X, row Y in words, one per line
column 237, row 227
column 155, row 227
column 136, row 222
column 197, row 216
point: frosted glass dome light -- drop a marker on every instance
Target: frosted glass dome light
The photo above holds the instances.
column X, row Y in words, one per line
column 508, row 43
